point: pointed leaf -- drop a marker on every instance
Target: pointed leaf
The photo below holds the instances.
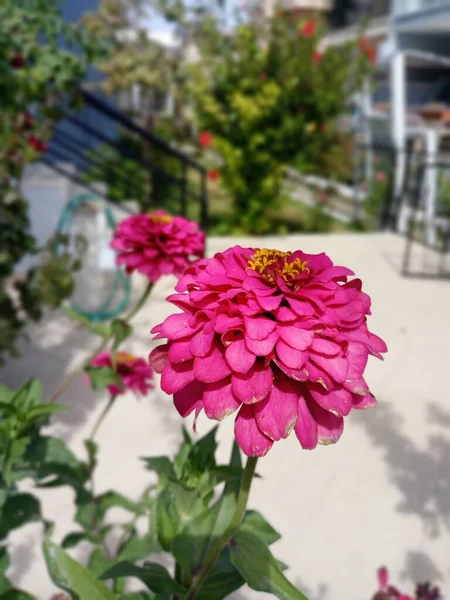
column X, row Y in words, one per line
column 254, row 561
column 154, row 576
column 161, row 465
column 73, row 577
column 254, row 522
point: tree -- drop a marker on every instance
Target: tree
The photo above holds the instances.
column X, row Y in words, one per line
column 38, row 68
column 269, row 97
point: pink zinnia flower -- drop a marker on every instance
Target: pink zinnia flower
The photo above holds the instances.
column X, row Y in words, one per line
column 135, row 373
column 205, row 139
column 279, row 337
column 157, row 244
column 309, row 28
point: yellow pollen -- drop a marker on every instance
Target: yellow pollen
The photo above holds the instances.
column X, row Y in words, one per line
column 124, row 357
column 270, row 263
column 160, row 218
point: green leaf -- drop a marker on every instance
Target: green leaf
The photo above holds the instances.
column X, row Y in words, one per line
column 137, row 596
column 154, row 576
column 73, row 577
column 13, row 454
column 17, row 595
column 5, row 394
column 28, row 395
column 98, row 562
column 254, row 522
column 74, row 538
column 161, row 465
column 120, row 330
column 96, row 328
column 222, row 580
column 254, row 561
column 101, row 377
column 18, row 510
column 112, row 499
column 167, row 519
column 45, row 410
column 139, row 548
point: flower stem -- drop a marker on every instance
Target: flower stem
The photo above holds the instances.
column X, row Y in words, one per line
column 105, row 340
column 102, row 417
column 215, row 552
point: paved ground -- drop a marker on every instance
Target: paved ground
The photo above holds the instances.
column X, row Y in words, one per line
column 380, row 496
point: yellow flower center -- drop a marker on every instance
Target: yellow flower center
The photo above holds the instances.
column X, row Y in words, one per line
column 124, row 357
column 160, row 218
column 271, row 263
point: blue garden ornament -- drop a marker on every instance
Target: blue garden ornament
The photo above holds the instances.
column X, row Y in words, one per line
column 103, row 290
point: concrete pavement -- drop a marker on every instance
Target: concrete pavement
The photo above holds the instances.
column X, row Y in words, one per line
column 380, row 496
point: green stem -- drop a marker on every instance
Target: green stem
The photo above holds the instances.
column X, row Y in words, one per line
column 105, row 340
column 215, row 552
column 102, row 417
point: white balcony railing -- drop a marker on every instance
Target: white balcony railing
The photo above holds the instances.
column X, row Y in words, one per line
column 412, row 7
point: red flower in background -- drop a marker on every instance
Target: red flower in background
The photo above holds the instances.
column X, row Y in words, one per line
column 369, row 50
column 205, row 139
column 37, row 144
column 317, row 56
column 17, row 62
column 263, row 76
column 213, row 175
column 134, row 372
column 309, row 28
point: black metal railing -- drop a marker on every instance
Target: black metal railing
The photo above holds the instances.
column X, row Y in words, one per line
column 106, row 146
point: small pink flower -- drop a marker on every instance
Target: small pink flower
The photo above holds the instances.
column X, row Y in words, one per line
column 157, row 244
column 380, row 176
column 263, row 76
column 205, row 139
column 368, row 50
column 280, row 338
column 213, row 175
column 317, row 56
column 309, row 28
column 383, row 579
column 135, row 373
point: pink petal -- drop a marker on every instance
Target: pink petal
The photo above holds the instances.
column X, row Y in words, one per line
column 306, row 428
column 218, row 400
column 294, row 359
column 338, row 402
column 201, row 343
column 336, row 367
column 364, row 402
column 262, row 347
column 158, row 358
column 239, row 358
column 276, row 416
column 180, row 351
column 176, row 376
column 326, row 347
column 296, row 374
column 176, row 326
column 318, row 375
column 303, row 308
column 383, row 579
column 253, row 386
column 224, row 323
column 357, row 355
column 259, row 328
column 269, row 303
column 250, row 439
column 329, row 427
column 213, row 367
column 357, row 386
column 300, row 339
column 189, row 398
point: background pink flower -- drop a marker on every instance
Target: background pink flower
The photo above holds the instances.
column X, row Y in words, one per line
column 280, row 338
column 205, row 139
column 135, row 373
column 309, row 28
column 157, row 244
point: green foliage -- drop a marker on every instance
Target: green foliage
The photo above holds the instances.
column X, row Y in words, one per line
column 270, row 100
column 36, row 70
column 102, row 377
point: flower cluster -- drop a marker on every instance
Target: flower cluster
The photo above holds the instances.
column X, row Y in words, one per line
column 279, row 337
column 424, row 591
column 157, row 244
column 135, row 373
